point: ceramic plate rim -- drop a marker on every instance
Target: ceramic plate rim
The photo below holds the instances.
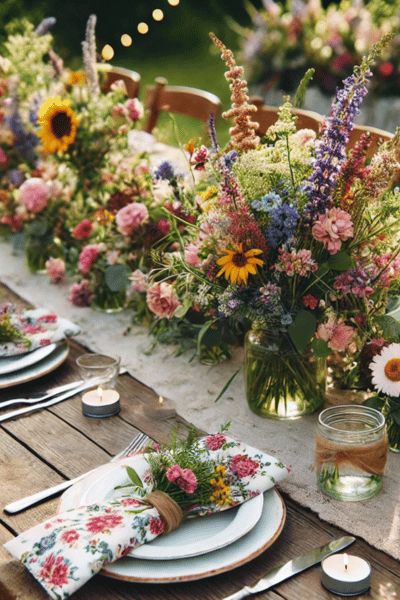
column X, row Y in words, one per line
column 61, row 354
column 50, row 349
column 146, row 552
column 211, row 573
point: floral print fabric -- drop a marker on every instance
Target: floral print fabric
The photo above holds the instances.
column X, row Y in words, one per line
column 39, row 327
column 66, row 551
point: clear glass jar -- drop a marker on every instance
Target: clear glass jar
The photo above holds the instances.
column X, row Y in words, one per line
column 350, row 452
column 280, row 382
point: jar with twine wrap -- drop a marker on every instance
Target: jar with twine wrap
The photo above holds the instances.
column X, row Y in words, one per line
column 350, row 452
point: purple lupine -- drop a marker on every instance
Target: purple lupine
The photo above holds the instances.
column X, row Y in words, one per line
column 331, row 147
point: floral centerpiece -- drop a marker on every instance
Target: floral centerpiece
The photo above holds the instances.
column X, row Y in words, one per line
column 300, row 240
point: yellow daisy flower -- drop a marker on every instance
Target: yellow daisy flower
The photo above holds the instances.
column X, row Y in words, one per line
column 57, row 125
column 238, row 264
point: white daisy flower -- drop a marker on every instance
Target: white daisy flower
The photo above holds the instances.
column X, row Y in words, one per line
column 385, row 369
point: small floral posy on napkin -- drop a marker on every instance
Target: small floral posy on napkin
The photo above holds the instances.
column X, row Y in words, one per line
column 22, row 332
column 201, row 477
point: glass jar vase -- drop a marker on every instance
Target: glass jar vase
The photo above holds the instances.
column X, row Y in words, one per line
column 280, row 382
column 350, row 452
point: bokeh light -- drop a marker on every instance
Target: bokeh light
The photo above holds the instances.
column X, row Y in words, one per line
column 126, row 40
column 143, row 28
column 107, row 52
column 173, row 2
column 157, row 14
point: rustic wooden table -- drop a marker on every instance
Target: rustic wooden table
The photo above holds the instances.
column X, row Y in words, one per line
column 58, row 443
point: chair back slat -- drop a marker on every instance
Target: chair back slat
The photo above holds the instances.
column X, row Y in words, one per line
column 131, row 79
column 182, row 100
column 307, row 119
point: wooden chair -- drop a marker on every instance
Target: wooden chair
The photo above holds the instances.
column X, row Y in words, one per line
column 131, row 79
column 182, row 100
column 307, row 119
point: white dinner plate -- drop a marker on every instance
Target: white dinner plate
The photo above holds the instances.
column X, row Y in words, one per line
column 43, row 367
column 195, row 536
column 16, row 363
column 261, row 537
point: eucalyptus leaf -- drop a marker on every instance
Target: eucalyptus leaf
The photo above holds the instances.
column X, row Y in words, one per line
column 320, row 348
column 117, row 277
column 340, row 261
column 134, row 477
column 302, row 329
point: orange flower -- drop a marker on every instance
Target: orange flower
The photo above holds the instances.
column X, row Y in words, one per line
column 238, row 264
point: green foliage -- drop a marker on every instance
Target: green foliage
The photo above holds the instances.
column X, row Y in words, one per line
column 117, row 277
column 390, row 327
column 302, row 329
column 302, row 89
column 10, row 333
column 340, row 261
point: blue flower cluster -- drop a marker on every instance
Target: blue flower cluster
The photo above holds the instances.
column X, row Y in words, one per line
column 267, row 202
column 165, row 171
column 25, row 142
column 230, row 158
column 331, row 149
column 282, row 225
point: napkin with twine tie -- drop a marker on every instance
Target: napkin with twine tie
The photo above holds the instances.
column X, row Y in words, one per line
column 201, row 477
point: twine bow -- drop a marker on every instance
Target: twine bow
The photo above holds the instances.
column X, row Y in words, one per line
column 170, row 512
column 369, row 458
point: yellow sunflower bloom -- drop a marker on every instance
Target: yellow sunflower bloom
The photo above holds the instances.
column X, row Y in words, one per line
column 238, row 264
column 57, row 125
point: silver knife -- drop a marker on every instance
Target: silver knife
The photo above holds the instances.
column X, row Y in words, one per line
column 41, row 397
column 293, row 567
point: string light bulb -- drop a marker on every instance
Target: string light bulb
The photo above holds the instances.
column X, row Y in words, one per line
column 142, row 28
column 107, row 52
column 173, row 2
column 157, row 14
column 126, row 40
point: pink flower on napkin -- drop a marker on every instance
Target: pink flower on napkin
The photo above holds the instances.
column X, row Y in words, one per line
column 103, row 522
column 55, row 570
column 156, row 525
column 70, row 536
column 243, row 466
column 216, row 441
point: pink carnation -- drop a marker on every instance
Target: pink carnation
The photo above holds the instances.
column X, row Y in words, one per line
column 336, row 333
column 191, row 256
column 88, row 257
column 139, row 281
column 185, row 479
column 55, row 268
column 296, row 263
column 243, row 466
column 162, row 300
column 333, row 228
column 34, row 194
column 80, row 293
column 83, row 230
column 134, row 109
column 131, row 217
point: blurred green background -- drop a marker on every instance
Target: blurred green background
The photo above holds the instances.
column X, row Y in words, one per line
column 177, row 48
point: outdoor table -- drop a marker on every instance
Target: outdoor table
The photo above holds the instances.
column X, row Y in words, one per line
column 58, row 443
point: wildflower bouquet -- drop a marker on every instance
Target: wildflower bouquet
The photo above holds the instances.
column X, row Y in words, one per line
column 286, row 39
column 163, row 486
column 300, row 241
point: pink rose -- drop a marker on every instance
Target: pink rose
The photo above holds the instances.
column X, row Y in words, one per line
column 185, row 479
column 88, row 257
column 216, row 441
column 336, row 333
column 69, row 536
column 54, row 571
column 103, row 522
column 134, row 108
column 156, row 525
column 131, row 217
column 34, row 194
column 130, row 502
column 83, row 230
column 242, row 466
column 333, row 228
column 162, row 300
column 55, row 268
column 191, row 256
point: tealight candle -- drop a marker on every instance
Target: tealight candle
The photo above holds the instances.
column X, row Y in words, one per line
column 345, row 574
column 100, row 403
column 162, row 408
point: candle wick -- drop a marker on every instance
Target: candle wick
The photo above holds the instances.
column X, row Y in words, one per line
column 345, row 566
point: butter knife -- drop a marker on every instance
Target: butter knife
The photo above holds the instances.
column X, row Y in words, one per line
column 293, row 567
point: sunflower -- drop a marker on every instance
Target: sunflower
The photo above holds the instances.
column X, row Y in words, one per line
column 57, row 125
column 237, row 264
column 76, row 78
column 385, row 369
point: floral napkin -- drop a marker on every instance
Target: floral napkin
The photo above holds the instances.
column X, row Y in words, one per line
column 22, row 332
column 66, row 551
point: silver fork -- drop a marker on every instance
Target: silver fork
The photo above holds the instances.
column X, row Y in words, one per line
column 138, row 442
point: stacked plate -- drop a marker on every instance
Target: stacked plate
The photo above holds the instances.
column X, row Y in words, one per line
column 32, row 365
column 200, row 548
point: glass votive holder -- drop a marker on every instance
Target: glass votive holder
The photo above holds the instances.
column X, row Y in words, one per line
column 350, row 452
column 104, row 369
